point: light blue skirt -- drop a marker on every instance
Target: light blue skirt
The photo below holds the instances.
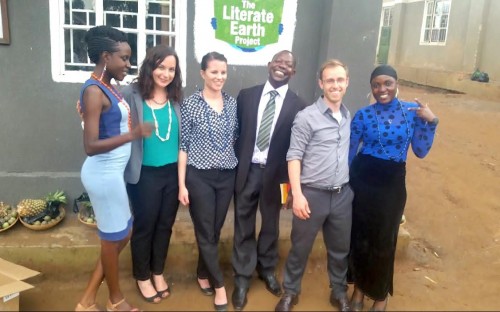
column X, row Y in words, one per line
column 102, row 177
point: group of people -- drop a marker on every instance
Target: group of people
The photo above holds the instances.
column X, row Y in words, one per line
column 149, row 149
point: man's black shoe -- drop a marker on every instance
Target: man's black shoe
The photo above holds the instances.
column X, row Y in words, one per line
column 286, row 302
column 239, row 298
column 342, row 303
column 272, row 284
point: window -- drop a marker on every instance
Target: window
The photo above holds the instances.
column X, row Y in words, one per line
column 146, row 23
column 387, row 17
column 435, row 24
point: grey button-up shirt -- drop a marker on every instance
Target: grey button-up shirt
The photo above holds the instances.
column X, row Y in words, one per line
column 321, row 144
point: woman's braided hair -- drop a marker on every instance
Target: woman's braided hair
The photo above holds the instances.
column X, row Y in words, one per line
column 100, row 39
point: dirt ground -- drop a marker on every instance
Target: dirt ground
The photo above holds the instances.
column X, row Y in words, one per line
column 453, row 217
column 453, row 210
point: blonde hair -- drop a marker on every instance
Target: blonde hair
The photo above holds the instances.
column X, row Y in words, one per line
column 332, row 63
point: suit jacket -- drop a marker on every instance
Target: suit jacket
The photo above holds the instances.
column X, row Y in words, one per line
column 276, row 170
column 134, row 99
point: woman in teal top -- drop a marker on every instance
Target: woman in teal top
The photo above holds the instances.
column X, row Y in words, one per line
column 151, row 173
column 161, row 150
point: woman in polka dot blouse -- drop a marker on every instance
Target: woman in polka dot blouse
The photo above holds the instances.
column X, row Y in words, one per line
column 385, row 131
column 207, row 163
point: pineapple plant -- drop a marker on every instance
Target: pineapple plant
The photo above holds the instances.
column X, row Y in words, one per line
column 41, row 211
column 54, row 200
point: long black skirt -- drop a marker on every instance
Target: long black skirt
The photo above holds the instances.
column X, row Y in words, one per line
column 379, row 201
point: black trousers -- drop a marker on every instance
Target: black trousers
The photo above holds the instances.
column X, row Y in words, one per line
column 155, row 203
column 210, row 192
column 250, row 253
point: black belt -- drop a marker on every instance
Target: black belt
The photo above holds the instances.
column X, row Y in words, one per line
column 335, row 189
column 261, row 166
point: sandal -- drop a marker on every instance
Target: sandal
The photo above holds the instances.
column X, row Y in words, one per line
column 93, row 307
column 163, row 294
column 357, row 305
column 384, row 307
column 151, row 299
column 114, row 306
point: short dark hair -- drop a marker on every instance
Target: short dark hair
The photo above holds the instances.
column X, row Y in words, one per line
column 211, row 56
column 101, row 39
column 286, row 51
column 154, row 56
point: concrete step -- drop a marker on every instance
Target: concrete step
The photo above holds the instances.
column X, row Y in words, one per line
column 72, row 241
column 66, row 254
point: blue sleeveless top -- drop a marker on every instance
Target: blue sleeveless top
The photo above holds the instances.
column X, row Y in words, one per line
column 114, row 121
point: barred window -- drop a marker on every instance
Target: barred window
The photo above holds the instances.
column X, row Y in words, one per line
column 387, row 17
column 146, row 23
column 435, row 23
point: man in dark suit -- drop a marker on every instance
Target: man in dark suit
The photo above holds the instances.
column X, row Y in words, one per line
column 265, row 115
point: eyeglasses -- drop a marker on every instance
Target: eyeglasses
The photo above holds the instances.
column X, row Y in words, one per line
column 333, row 81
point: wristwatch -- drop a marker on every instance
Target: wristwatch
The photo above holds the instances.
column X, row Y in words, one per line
column 434, row 121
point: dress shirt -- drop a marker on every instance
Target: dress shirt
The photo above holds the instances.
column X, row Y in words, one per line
column 207, row 136
column 321, row 143
column 260, row 157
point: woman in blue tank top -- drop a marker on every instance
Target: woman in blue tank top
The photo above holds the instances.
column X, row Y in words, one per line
column 107, row 135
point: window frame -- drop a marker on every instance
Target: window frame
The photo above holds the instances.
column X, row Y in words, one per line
column 57, row 40
column 387, row 16
column 432, row 27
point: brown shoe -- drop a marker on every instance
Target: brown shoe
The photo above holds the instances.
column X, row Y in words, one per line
column 286, row 302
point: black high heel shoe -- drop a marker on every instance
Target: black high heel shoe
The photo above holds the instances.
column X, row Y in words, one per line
column 223, row 306
column 151, row 299
column 207, row 291
column 220, row 307
column 163, row 294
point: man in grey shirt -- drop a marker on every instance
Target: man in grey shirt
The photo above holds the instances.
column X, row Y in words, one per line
column 322, row 198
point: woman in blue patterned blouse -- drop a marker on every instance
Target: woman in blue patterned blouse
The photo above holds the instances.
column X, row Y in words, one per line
column 207, row 163
column 386, row 130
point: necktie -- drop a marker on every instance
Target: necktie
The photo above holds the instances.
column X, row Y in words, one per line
column 267, row 122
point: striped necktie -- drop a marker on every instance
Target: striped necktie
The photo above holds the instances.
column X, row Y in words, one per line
column 267, row 122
